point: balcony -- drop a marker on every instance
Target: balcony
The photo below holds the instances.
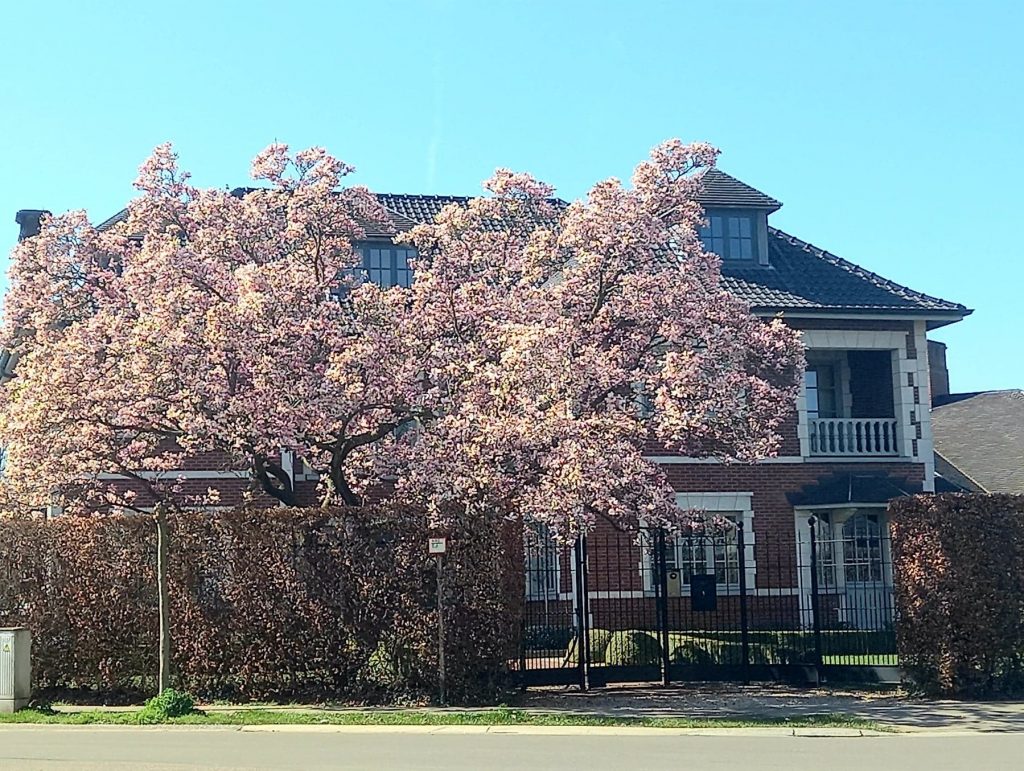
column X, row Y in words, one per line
column 850, row 404
column 853, row 437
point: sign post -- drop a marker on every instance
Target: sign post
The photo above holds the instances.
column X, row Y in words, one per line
column 439, row 547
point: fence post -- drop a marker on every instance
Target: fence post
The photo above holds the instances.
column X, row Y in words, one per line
column 586, row 610
column 815, row 609
column 662, row 600
column 744, row 623
column 581, row 614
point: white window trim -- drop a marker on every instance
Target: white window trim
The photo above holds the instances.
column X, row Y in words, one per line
column 739, row 503
column 548, row 593
column 903, row 394
column 803, row 546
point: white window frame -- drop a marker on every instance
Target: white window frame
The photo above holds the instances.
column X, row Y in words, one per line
column 552, row 573
column 732, row 504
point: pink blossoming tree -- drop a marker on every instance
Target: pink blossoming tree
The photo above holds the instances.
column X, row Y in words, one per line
column 542, row 351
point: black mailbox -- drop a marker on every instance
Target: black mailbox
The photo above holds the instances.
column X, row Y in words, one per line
column 703, row 592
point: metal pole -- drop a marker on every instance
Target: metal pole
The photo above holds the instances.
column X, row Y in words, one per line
column 440, row 627
column 662, row 600
column 163, row 597
column 585, row 657
column 815, row 610
column 744, row 624
column 580, row 612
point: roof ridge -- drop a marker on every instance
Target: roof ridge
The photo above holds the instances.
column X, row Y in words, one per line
column 860, row 272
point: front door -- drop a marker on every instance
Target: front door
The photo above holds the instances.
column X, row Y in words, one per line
column 867, row 599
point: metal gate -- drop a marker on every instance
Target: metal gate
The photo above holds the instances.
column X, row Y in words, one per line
column 710, row 603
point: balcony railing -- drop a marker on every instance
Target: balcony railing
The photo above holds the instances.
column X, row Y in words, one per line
column 852, row 437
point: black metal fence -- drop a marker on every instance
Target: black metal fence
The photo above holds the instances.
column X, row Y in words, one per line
column 716, row 602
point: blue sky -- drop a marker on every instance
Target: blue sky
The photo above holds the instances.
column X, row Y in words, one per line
column 892, row 131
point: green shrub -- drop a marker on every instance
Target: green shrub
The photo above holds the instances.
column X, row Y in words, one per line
column 599, row 639
column 632, row 647
column 687, row 649
column 170, row 703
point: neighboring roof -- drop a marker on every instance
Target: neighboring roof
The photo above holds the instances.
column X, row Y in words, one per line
column 982, row 436
column 950, row 479
column 839, row 489
column 723, row 190
column 801, row 276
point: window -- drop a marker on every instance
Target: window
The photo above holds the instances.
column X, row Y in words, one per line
column 730, row 236
column 849, row 551
column 710, row 551
column 862, row 549
column 820, row 382
column 387, row 265
column 540, row 552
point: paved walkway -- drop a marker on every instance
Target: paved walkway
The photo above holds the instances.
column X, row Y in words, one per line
column 695, row 701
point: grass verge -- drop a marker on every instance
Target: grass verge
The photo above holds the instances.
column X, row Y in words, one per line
column 492, row 717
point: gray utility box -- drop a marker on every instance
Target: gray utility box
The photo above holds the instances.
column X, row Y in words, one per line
column 15, row 668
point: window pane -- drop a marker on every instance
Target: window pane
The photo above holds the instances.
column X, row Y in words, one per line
column 746, row 249
column 734, row 247
column 812, row 402
column 745, row 227
column 718, row 246
column 717, row 227
column 375, row 258
column 734, row 226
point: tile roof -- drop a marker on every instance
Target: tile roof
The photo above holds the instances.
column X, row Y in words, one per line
column 982, row 436
column 723, row 190
column 799, row 276
column 424, row 208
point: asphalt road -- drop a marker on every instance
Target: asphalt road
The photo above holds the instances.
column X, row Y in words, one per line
column 217, row 748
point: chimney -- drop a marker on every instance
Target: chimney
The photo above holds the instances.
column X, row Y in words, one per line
column 28, row 219
column 937, row 371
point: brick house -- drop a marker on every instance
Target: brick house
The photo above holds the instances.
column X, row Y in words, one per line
column 861, row 434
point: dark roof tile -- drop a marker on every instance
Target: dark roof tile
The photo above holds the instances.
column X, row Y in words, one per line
column 799, row 277
column 723, row 190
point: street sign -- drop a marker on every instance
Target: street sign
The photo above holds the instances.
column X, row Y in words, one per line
column 437, row 545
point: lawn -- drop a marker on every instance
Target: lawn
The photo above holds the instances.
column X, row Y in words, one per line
column 489, row 717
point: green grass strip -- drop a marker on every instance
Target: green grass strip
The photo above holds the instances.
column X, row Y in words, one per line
column 492, row 717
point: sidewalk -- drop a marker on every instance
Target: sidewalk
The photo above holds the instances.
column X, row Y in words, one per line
column 710, row 701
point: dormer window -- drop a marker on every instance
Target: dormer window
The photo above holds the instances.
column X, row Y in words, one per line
column 387, row 265
column 730, row 235
column 736, row 235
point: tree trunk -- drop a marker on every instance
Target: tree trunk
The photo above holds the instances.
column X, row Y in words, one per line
column 160, row 517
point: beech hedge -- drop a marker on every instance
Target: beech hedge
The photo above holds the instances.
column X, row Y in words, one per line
column 275, row 604
column 958, row 564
